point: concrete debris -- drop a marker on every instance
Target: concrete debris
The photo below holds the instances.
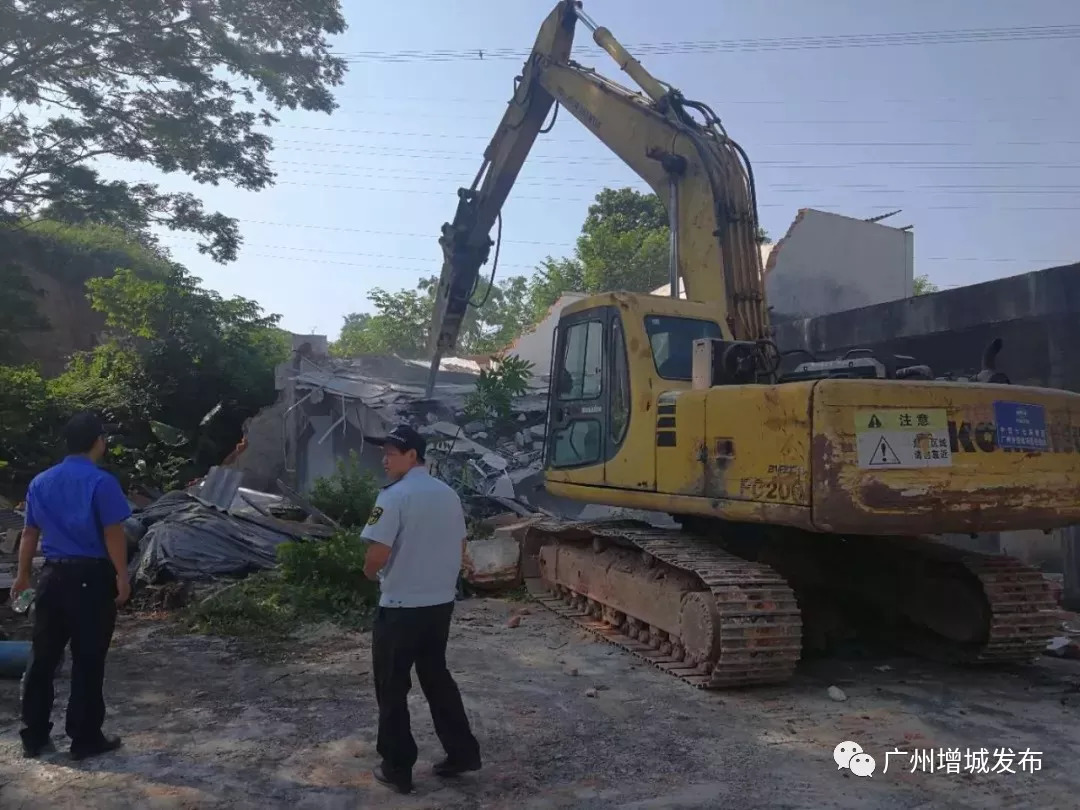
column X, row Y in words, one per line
column 590, row 693
column 494, row 559
column 1056, row 584
column 329, row 408
column 492, row 562
column 1063, row 647
column 837, row 694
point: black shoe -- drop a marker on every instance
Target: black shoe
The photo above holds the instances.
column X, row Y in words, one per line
column 102, row 746
column 35, row 751
column 401, row 785
column 448, row 767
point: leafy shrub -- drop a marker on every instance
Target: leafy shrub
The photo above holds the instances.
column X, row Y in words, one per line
column 348, row 495
column 329, row 574
column 496, row 389
column 30, row 424
column 318, row 580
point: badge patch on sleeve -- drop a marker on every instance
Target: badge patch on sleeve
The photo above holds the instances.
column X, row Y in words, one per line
column 376, row 513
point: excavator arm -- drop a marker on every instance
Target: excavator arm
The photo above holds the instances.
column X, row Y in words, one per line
column 701, row 175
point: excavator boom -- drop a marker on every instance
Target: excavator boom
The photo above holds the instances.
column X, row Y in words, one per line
column 702, row 176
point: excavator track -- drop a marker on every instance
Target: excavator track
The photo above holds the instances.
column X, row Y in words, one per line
column 740, row 620
column 745, row 626
column 1019, row 602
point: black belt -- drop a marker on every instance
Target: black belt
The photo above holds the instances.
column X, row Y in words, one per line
column 76, row 561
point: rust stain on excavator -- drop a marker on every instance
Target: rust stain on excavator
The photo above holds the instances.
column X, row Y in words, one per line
column 991, row 506
column 875, row 507
column 829, row 501
column 705, row 484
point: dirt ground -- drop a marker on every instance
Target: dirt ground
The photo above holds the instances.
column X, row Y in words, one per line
column 564, row 722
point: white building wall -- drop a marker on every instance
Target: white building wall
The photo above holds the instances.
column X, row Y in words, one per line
column 831, row 263
column 535, row 346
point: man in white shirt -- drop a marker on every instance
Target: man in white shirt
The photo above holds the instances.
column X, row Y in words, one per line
column 417, row 533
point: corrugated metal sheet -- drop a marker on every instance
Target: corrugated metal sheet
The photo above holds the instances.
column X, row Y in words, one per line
column 219, row 487
column 10, row 519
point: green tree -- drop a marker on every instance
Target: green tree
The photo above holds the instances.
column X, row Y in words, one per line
column 402, row 320
column 189, row 349
column 29, row 421
column 181, row 86
column 624, row 243
column 553, row 278
column 923, row 285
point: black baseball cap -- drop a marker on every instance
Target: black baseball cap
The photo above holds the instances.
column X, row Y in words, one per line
column 404, row 438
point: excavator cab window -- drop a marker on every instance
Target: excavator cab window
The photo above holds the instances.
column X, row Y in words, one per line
column 579, row 412
column 672, row 341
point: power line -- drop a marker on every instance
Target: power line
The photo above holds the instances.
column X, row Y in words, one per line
column 785, row 144
column 433, row 268
column 773, row 188
column 475, row 157
column 937, row 37
column 400, row 173
column 307, row 248
column 592, row 198
column 920, row 100
column 766, row 121
column 376, row 231
column 395, row 151
column 434, row 236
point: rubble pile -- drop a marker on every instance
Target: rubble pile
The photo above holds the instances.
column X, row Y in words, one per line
column 372, row 394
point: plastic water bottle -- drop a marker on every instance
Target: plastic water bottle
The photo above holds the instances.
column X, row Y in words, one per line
column 23, row 601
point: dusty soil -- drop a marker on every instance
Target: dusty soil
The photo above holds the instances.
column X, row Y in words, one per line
column 564, row 721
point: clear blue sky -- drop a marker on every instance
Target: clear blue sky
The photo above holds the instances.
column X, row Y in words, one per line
column 382, row 177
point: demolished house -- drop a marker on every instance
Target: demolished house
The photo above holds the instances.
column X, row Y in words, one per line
column 331, row 408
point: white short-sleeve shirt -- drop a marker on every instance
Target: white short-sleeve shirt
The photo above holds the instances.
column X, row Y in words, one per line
column 422, row 520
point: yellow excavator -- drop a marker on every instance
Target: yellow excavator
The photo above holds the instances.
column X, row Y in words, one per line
column 803, row 490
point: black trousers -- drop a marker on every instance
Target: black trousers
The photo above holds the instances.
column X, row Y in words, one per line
column 401, row 638
column 76, row 602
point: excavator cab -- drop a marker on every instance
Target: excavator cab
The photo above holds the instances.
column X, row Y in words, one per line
column 613, row 355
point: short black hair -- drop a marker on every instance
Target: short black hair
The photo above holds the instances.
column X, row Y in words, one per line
column 82, row 430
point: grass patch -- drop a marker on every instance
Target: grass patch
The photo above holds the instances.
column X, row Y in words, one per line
column 316, row 581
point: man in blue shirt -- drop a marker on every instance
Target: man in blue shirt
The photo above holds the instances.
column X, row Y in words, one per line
column 77, row 512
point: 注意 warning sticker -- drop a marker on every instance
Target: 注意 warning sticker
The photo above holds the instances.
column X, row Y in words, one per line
column 902, row 438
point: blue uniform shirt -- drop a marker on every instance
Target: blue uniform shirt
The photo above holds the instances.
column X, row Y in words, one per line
column 71, row 503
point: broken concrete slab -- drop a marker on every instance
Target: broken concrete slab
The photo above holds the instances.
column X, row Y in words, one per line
column 495, row 560
column 492, row 562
